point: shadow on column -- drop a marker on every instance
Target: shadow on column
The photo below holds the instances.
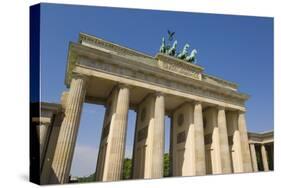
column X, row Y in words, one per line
column 270, row 153
column 34, row 146
column 259, row 157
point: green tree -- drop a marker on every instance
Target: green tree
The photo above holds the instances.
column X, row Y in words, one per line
column 166, row 165
column 127, row 169
column 90, row 178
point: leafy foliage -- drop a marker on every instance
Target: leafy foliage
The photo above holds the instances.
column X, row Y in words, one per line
column 127, row 169
column 90, row 178
column 166, row 165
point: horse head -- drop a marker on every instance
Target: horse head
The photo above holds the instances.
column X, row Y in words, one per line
column 193, row 53
column 175, row 44
column 185, row 48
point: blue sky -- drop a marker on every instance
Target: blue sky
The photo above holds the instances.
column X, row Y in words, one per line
column 235, row 48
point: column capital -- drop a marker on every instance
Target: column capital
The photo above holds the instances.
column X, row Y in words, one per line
column 80, row 76
column 240, row 112
column 123, row 85
column 219, row 107
column 159, row 93
column 197, row 102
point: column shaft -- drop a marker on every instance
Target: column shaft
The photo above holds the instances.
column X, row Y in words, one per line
column 158, row 137
column 68, row 132
column 254, row 157
column 44, row 133
column 223, row 140
column 118, row 137
column 234, row 141
column 47, row 165
column 200, row 165
column 264, row 158
column 246, row 157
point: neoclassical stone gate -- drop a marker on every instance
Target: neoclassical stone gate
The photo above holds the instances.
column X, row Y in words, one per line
column 208, row 130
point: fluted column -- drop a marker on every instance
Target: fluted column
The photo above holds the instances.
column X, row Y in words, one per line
column 44, row 130
column 47, row 164
column 223, row 140
column 158, row 137
column 68, row 132
column 254, row 157
column 264, row 158
column 118, row 136
column 234, row 141
column 200, row 165
column 246, row 157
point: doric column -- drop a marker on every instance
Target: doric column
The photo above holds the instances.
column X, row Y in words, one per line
column 44, row 130
column 254, row 157
column 171, row 158
column 234, row 141
column 223, row 141
column 199, row 140
column 68, row 132
column 149, row 141
column 43, row 127
column 112, row 146
column 264, row 158
column 158, row 136
column 47, row 164
column 188, row 147
column 246, row 157
column 118, row 136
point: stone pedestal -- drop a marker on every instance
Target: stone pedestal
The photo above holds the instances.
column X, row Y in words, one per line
column 112, row 150
column 264, row 158
column 254, row 157
column 68, row 132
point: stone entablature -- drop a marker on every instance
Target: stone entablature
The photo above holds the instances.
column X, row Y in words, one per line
column 164, row 61
column 261, row 138
column 219, row 82
column 48, row 110
column 179, row 66
column 163, row 71
column 262, row 148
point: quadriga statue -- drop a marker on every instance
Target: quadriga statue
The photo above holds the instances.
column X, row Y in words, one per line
column 173, row 49
column 184, row 52
column 192, row 57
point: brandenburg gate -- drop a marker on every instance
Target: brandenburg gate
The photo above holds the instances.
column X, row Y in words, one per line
column 208, row 128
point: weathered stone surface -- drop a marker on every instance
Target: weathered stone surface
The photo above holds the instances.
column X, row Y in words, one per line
column 246, row 156
column 223, row 141
column 113, row 142
column 149, row 151
column 200, row 164
column 254, row 157
column 264, row 158
column 68, row 131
